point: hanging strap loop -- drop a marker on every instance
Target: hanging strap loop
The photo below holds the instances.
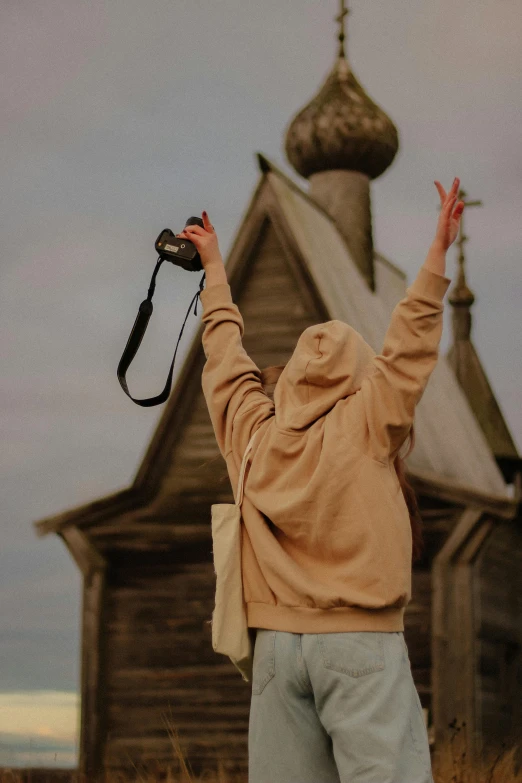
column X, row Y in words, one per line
column 136, row 336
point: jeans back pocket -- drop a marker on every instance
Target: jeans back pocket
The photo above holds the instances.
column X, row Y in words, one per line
column 355, row 653
column 264, row 660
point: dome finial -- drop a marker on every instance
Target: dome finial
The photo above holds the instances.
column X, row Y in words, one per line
column 341, row 127
column 344, row 12
column 460, row 295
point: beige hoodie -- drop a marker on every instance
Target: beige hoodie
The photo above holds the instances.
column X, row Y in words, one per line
column 326, row 539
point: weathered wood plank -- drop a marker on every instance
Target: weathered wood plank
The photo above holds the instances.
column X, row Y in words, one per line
column 165, row 689
column 92, row 705
column 499, row 660
column 151, row 530
column 152, row 719
column 223, row 673
column 199, row 750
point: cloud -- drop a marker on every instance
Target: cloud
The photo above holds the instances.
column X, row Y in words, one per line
column 42, row 713
column 39, row 728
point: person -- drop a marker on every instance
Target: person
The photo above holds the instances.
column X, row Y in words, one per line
column 327, row 533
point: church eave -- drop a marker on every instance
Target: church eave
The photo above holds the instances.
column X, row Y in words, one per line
column 108, row 507
column 433, row 485
column 266, row 166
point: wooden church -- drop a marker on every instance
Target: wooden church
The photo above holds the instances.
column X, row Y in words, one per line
column 300, row 258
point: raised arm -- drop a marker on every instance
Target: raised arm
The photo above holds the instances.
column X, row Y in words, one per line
column 396, row 383
column 231, row 381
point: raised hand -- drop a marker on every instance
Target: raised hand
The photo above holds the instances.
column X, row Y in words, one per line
column 449, row 218
column 205, row 240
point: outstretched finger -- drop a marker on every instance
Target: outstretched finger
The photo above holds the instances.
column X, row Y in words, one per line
column 442, row 192
column 453, row 191
column 206, row 222
column 459, row 209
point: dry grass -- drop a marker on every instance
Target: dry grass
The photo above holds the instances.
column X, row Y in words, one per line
column 450, row 766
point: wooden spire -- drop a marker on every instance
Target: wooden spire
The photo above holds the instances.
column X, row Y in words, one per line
column 461, row 296
column 467, row 366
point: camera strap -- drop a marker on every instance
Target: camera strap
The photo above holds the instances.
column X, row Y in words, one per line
column 136, row 336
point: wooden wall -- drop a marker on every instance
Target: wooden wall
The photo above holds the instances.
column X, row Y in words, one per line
column 498, row 587
column 438, row 519
column 160, row 666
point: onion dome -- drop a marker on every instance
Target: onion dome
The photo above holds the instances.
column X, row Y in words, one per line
column 341, row 128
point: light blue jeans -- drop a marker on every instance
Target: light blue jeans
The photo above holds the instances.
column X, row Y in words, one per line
column 335, row 708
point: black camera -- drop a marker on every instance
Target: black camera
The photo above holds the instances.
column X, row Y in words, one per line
column 181, row 252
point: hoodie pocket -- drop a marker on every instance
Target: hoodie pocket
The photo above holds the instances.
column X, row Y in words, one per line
column 355, row 653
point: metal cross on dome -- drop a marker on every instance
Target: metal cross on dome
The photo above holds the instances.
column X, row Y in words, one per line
column 461, row 280
column 344, row 12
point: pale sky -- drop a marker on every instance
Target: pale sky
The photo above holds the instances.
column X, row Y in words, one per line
column 122, row 118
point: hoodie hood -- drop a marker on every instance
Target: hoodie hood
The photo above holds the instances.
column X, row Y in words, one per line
column 329, row 362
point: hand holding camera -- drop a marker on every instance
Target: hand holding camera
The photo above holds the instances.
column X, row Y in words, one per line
column 199, row 251
column 205, row 239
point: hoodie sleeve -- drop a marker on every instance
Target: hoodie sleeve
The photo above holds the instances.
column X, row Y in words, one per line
column 231, row 381
column 396, row 383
